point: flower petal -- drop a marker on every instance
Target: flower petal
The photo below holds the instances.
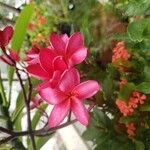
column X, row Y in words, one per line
column 58, row 113
column 65, row 38
column 46, row 57
column 59, row 64
column 37, row 71
column 7, row 34
column 69, row 80
column 14, row 55
column 80, row 111
column 52, row 96
column 78, row 56
column 87, row 89
column 75, row 42
column 58, row 43
column 42, row 85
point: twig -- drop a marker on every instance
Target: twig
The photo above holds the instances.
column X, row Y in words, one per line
column 26, row 99
column 41, row 132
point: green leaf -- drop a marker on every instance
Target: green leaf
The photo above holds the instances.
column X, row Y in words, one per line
column 19, row 106
column 136, row 7
column 139, row 145
column 19, row 34
column 144, row 107
column 144, row 87
column 127, row 120
column 146, row 73
column 21, row 26
column 38, row 115
column 136, row 30
column 2, row 92
column 41, row 141
column 126, row 90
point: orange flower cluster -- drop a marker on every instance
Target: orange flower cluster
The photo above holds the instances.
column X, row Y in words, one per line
column 131, row 129
column 127, row 108
column 120, row 52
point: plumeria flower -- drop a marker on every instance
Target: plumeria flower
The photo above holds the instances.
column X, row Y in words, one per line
column 71, row 49
column 5, row 36
column 69, row 95
column 63, row 53
column 48, row 66
column 32, row 56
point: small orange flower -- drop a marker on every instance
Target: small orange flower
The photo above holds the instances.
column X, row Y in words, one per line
column 42, row 20
column 131, row 129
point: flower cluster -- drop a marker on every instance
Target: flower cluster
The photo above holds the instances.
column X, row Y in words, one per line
column 120, row 52
column 131, row 129
column 127, row 108
column 61, row 87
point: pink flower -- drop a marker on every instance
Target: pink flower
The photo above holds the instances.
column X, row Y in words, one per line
column 48, row 65
column 5, row 36
column 63, row 53
column 32, row 56
column 71, row 49
column 69, row 95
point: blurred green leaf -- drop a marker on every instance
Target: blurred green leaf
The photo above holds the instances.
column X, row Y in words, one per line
column 125, row 91
column 136, row 7
column 139, row 145
column 127, row 120
column 38, row 115
column 2, row 92
column 144, row 87
column 144, row 107
column 136, row 30
column 19, row 34
column 146, row 73
column 41, row 141
column 21, row 27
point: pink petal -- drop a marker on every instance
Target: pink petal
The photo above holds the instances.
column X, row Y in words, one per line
column 59, row 64
column 14, row 55
column 46, row 57
column 78, row 56
column 43, row 85
column 65, row 38
column 80, row 111
column 69, row 80
column 58, row 44
column 75, row 42
column 87, row 89
column 52, row 96
column 58, row 113
column 7, row 34
column 56, row 78
column 38, row 72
